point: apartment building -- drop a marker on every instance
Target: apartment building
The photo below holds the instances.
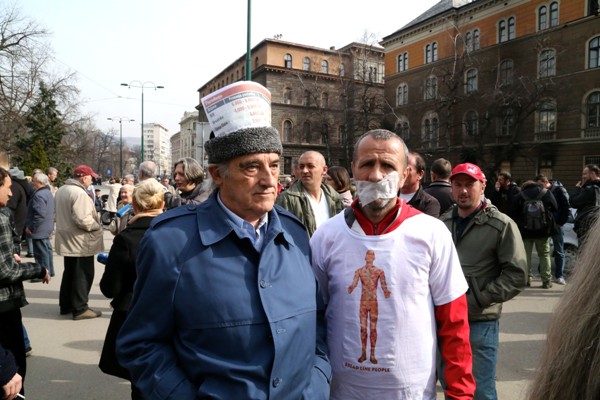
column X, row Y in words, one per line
column 322, row 99
column 511, row 85
column 157, row 147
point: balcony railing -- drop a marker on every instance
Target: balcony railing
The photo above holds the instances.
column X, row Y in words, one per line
column 545, row 136
column 591, row 132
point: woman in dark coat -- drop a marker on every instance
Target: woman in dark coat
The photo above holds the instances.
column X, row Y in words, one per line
column 120, row 274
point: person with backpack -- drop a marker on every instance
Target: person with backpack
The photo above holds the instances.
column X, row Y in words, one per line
column 586, row 199
column 561, row 216
column 534, row 208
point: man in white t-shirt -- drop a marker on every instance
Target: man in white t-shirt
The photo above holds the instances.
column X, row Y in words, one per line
column 424, row 305
column 309, row 198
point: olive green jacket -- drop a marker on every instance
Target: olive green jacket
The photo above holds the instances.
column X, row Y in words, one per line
column 295, row 201
column 493, row 259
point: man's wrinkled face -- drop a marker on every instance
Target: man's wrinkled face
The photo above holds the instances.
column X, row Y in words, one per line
column 375, row 159
column 467, row 192
column 5, row 192
column 249, row 188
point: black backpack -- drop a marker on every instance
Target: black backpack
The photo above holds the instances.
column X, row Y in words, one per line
column 534, row 217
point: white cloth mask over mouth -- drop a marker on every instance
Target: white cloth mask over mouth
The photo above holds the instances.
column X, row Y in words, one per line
column 387, row 188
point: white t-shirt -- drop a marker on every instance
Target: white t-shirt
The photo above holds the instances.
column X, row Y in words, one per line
column 421, row 269
column 320, row 208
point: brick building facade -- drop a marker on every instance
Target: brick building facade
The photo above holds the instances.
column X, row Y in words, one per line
column 511, row 85
column 322, row 99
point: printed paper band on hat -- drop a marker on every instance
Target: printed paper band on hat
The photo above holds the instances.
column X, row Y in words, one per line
column 238, row 106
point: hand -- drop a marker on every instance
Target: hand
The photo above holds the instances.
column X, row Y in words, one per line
column 18, row 258
column 47, row 278
column 578, row 184
column 28, row 231
column 497, row 185
column 13, row 387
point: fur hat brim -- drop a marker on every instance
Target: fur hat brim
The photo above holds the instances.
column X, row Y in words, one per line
column 242, row 142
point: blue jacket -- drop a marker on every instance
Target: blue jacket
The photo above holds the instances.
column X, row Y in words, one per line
column 41, row 214
column 211, row 317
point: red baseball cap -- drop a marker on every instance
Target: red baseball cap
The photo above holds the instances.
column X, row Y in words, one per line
column 84, row 170
column 468, row 169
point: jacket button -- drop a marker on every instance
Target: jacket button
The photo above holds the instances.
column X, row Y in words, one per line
column 264, row 284
column 276, row 382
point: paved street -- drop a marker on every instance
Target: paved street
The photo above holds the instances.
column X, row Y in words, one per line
column 64, row 363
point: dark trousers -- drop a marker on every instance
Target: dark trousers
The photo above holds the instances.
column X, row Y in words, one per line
column 76, row 284
column 11, row 338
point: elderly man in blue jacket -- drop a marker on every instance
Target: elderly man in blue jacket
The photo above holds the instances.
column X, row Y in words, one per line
column 225, row 305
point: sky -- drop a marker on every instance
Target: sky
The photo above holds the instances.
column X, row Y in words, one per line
column 182, row 44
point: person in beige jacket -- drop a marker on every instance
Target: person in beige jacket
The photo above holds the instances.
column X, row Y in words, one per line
column 78, row 239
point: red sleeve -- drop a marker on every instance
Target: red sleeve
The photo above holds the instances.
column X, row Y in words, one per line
column 453, row 337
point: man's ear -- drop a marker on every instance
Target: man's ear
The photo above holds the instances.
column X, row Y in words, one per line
column 215, row 174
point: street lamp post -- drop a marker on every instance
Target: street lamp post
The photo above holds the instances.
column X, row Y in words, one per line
column 142, row 85
column 120, row 120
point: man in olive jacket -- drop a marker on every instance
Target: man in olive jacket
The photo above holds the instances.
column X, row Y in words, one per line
column 309, row 198
column 78, row 239
column 492, row 256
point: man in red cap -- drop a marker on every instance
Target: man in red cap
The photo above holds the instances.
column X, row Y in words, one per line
column 78, row 239
column 493, row 260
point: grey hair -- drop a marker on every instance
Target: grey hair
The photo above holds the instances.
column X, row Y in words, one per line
column 51, row 170
column 42, row 178
column 192, row 170
column 223, row 168
column 382, row 134
column 147, row 169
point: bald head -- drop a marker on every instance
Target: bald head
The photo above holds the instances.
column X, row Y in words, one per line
column 312, row 168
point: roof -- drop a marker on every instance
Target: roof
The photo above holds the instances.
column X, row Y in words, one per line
column 441, row 7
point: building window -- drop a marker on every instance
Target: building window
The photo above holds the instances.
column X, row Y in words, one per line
column 403, row 128
column 430, row 88
column 471, row 81
column 546, row 119
column 306, row 98
column 507, row 122
column 306, row 132
column 403, row 62
column 506, row 72
column 472, row 41
column 324, row 100
column 342, row 135
column 542, row 18
column 287, row 131
column 476, row 41
column 554, row 14
column 547, row 63
column 287, row 96
column 430, row 133
column 287, row 61
column 593, row 7
column 594, row 53
column 372, row 74
column 507, row 29
column 324, row 67
column 306, row 64
column 402, row 94
column 342, row 69
column 593, row 115
column 471, row 123
column 431, row 52
column 255, row 64
column 324, row 134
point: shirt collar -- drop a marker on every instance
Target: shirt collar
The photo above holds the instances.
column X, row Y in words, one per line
column 255, row 235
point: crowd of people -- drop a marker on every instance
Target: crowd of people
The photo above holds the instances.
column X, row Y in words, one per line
column 326, row 287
